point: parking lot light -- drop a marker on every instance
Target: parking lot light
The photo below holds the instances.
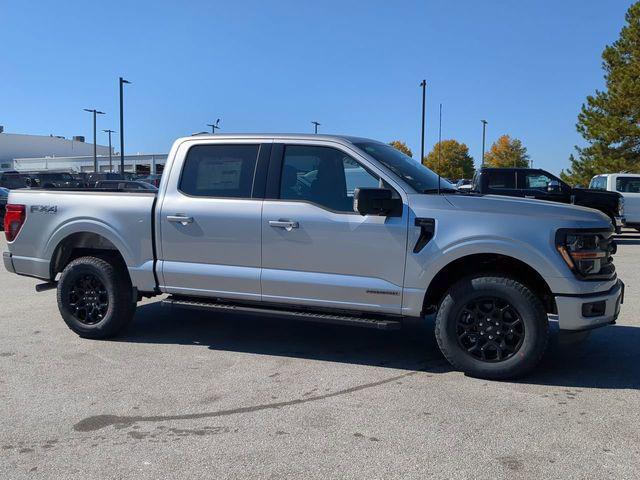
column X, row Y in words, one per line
column 95, row 153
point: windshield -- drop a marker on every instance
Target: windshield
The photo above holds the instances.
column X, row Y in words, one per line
column 414, row 173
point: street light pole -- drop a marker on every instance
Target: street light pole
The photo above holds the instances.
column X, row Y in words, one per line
column 214, row 126
column 121, row 82
column 484, row 129
column 108, row 131
column 315, row 126
column 423, row 84
column 95, row 153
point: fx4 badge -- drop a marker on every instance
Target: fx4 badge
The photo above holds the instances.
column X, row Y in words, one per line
column 50, row 209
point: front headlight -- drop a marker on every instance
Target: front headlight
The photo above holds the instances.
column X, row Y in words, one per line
column 621, row 207
column 587, row 254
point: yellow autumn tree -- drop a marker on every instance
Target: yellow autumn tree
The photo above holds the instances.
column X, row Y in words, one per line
column 453, row 160
column 400, row 145
column 507, row 152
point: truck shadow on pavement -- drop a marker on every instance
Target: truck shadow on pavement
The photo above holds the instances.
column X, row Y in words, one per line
column 608, row 358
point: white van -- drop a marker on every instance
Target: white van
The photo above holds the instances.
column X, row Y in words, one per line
column 628, row 185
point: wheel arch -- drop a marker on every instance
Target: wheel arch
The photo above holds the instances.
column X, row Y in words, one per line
column 489, row 263
column 80, row 244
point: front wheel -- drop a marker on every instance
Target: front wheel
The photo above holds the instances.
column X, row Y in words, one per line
column 492, row 327
column 95, row 297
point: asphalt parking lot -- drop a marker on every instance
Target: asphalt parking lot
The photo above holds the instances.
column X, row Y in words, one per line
column 186, row 394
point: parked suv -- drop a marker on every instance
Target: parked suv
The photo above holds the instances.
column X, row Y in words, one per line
column 542, row 185
column 324, row 228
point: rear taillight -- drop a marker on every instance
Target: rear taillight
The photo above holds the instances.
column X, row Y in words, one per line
column 13, row 219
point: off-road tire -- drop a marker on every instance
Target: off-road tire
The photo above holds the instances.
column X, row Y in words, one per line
column 118, row 295
column 529, row 307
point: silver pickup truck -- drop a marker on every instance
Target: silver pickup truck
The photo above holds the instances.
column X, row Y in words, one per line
column 326, row 228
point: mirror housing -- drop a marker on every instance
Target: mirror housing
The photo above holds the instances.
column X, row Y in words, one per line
column 554, row 187
column 376, row 201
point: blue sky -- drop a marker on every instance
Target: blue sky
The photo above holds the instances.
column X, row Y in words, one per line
column 355, row 66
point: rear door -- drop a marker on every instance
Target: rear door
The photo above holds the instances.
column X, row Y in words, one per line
column 501, row 182
column 210, row 223
column 316, row 250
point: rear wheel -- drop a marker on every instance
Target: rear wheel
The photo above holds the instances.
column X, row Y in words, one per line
column 95, row 297
column 492, row 327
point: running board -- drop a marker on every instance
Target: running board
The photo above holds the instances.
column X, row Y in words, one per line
column 201, row 304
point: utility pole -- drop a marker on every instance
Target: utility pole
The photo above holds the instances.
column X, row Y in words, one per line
column 214, row 126
column 484, row 130
column 108, row 131
column 121, row 82
column 423, row 84
column 95, row 153
column 315, row 126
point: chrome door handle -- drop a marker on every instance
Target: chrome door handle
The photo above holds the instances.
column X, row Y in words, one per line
column 183, row 219
column 286, row 224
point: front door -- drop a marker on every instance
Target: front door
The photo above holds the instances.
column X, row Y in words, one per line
column 316, row 250
column 629, row 187
column 535, row 184
column 210, row 224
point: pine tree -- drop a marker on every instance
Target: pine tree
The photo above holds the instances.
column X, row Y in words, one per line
column 610, row 119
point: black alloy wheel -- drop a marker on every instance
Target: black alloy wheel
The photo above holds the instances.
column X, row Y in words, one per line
column 490, row 329
column 88, row 299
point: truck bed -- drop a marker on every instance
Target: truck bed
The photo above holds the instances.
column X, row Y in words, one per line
column 125, row 219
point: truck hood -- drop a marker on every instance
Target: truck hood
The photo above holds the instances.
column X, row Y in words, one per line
column 556, row 213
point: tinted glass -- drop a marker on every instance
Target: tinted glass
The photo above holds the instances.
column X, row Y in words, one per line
column 413, row 172
column 628, row 184
column 502, row 180
column 324, row 176
column 219, row 171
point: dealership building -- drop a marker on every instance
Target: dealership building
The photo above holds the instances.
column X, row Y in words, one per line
column 26, row 153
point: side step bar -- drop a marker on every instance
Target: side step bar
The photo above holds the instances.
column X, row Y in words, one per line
column 202, row 304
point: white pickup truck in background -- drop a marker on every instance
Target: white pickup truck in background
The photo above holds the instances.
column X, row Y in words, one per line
column 324, row 228
column 626, row 184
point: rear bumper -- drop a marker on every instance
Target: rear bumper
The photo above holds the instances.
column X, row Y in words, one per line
column 570, row 308
column 28, row 266
column 8, row 262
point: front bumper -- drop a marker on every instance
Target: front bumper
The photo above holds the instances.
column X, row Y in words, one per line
column 570, row 308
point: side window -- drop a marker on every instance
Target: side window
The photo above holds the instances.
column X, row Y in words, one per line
column 502, row 181
column 219, row 171
column 322, row 175
column 536, row 180
column 628, row 184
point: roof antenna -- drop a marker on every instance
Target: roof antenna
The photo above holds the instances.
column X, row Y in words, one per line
column 439, row 145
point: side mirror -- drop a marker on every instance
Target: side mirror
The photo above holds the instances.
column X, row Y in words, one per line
column 554, row 187
column 376, row 201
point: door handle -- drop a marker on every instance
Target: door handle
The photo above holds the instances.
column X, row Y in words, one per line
column 179, row 218
column 286, row 224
